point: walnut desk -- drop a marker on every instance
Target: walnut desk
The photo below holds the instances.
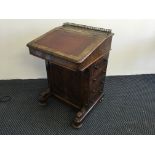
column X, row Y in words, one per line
column 76, row 59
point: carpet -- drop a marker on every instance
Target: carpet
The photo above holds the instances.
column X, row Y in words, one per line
column 128, row 108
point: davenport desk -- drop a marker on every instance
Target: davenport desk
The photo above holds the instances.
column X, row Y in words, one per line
column 76, row 59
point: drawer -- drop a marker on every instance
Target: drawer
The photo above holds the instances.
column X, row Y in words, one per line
column 98, row 68
column 97, row 81
column 95, row 93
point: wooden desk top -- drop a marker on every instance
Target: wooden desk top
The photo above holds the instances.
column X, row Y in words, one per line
column 71, row 42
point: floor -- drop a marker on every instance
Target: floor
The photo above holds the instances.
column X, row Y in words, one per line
column 128, row 108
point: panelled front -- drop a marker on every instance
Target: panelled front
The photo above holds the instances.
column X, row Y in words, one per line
column 66, row 84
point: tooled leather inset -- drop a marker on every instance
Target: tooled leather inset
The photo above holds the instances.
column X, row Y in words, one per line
column 70, row 43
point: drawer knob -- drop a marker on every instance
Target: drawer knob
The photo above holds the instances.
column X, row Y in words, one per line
column 96, row 67
column 94, row 79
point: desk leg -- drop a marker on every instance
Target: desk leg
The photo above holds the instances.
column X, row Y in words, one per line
column 80, row 116
column 43, row 97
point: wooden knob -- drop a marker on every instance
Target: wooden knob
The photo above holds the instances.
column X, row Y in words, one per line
column 96, row 67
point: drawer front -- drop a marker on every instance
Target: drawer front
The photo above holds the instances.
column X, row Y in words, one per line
column 95, row 93
column 98, row 68
column 96, row 88
column 97, row 81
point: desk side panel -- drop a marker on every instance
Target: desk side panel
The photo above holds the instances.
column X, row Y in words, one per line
column 70, row 86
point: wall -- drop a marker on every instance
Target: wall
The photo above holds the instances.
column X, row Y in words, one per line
column 133, row 47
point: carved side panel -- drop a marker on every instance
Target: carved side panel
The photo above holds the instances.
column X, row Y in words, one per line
column 67, row 84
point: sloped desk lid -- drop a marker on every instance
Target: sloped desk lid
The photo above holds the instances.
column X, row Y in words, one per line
column 72, row 42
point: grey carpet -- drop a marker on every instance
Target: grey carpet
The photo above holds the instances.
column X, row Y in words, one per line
column 128, row 108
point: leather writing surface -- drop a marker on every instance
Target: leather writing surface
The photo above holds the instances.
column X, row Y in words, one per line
column 70, row 43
